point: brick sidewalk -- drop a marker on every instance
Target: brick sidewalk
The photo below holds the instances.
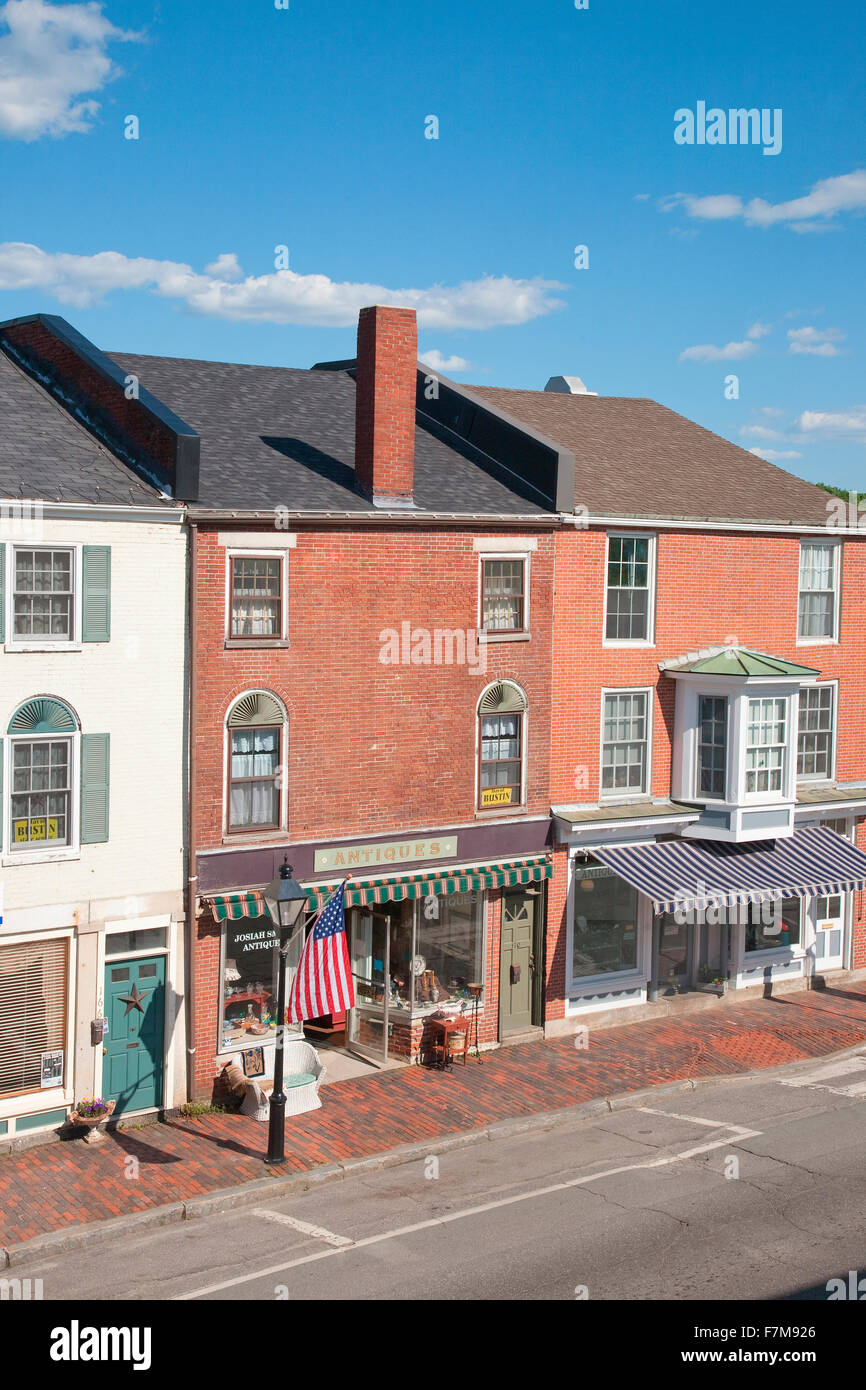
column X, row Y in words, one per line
column 54, row 1186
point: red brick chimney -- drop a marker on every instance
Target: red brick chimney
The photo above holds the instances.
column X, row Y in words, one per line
column 385, row 404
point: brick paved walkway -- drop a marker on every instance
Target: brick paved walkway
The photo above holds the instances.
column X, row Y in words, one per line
column 57, row 1185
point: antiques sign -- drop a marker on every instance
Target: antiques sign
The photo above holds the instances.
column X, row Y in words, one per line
column 385, row 855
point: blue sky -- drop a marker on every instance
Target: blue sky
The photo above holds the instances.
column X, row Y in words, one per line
column 305, row 127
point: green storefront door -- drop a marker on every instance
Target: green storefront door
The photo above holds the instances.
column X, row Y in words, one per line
column 515, row 963
column 133, row 1048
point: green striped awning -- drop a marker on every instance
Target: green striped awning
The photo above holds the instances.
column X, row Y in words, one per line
column 368, row 891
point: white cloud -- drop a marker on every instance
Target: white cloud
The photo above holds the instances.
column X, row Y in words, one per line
column 760, row 432
column 815, row 211
column 826, row 424
column 759, row 330
column 775, row 455
column 51, row 57
column 816, row 342
column 435, row 359
column 281, row 296
column 707, row 352
column 225, row 267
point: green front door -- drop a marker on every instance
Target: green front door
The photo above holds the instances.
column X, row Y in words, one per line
column 133, row 1047
column 515, row 963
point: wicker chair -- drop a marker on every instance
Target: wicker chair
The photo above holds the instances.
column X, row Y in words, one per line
column 302, row 1077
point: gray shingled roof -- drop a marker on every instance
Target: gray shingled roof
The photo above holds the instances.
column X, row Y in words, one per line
column 274, row 436
column 46, row 455
column 634, row 457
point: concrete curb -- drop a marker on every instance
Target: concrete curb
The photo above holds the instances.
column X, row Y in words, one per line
column 295, row 1184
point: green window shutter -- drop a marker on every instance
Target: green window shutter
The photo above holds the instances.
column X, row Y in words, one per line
column 94, row 788
column 2, row 593
column 96, row 593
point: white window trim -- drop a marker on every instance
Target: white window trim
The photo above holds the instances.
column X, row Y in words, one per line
column 650, row 639
column 238, row 836
column 491, row 635
column 72, row 850
column 30, row 644
column 281, row 554
column 606, row 796
column 498, row 811
column 831, row 774
column 837, row 594
column 773, row 954
column 575, row 986
column 789, row 761
column 711, row 798
column 54, row 1097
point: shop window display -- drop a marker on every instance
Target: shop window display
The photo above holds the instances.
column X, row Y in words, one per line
column 605, row 923
column 249, row 999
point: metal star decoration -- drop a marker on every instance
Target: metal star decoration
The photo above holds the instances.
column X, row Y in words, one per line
column 133, row 999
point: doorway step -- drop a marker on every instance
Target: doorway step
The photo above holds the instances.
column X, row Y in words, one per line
column 521, row 1035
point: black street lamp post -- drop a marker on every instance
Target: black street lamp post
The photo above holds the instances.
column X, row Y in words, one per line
column 286, row 902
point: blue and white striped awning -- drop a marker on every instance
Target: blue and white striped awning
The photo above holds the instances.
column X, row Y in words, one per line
column 687, row 874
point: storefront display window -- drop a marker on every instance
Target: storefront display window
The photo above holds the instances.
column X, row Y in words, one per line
column 449, row 949
column 432, row 951
column 773, row 926
column 249, row 972
column 33, row 994
column 605, row 923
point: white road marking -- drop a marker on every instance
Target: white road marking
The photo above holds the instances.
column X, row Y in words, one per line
column 739, row 1134
column 818, row 1080
column 317, row 1232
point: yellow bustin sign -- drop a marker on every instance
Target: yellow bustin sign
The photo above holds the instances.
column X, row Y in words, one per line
column 496, row 796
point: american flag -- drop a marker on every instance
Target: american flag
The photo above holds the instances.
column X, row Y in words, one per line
column 323, row 980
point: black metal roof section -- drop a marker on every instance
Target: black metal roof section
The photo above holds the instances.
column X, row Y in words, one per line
column 47, row 456
column 281, row 436
column 154, row 443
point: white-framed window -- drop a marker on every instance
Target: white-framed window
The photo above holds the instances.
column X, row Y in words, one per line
column 629, row 608
column 256, row 760
column 35, row 1017
column 41, row 807
column 504, row 595
column 766, row 744
column 43, row 596
column 501, row 743
column 257, row 597
column 818, row 599
column 816, row 735
column 625, row 743
column 712, row 766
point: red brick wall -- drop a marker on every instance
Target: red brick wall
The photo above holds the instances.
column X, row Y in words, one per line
column 372, row 748
column 711, row 588
column 385, row 401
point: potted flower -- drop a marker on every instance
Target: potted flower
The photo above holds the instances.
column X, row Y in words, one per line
column 90, row 1113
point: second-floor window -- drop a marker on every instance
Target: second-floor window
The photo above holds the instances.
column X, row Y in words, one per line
column 713, row 746
column 629, row 589
column 254, row 787
column 815, row 735
column 818, row 616
column 625, row 743
column 256, row 598
column 501, row 746
column 503, row 595
column 42, row 594
column 766, row 744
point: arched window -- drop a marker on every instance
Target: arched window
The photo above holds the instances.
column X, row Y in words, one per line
column 256, row 730
column 501, row 746
column 41, row 774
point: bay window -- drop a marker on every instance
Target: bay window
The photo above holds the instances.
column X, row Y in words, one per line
column 815, row 736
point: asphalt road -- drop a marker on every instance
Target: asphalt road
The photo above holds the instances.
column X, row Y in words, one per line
column 752, row 1189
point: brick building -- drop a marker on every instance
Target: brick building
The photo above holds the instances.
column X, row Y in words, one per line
column 572, row 689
